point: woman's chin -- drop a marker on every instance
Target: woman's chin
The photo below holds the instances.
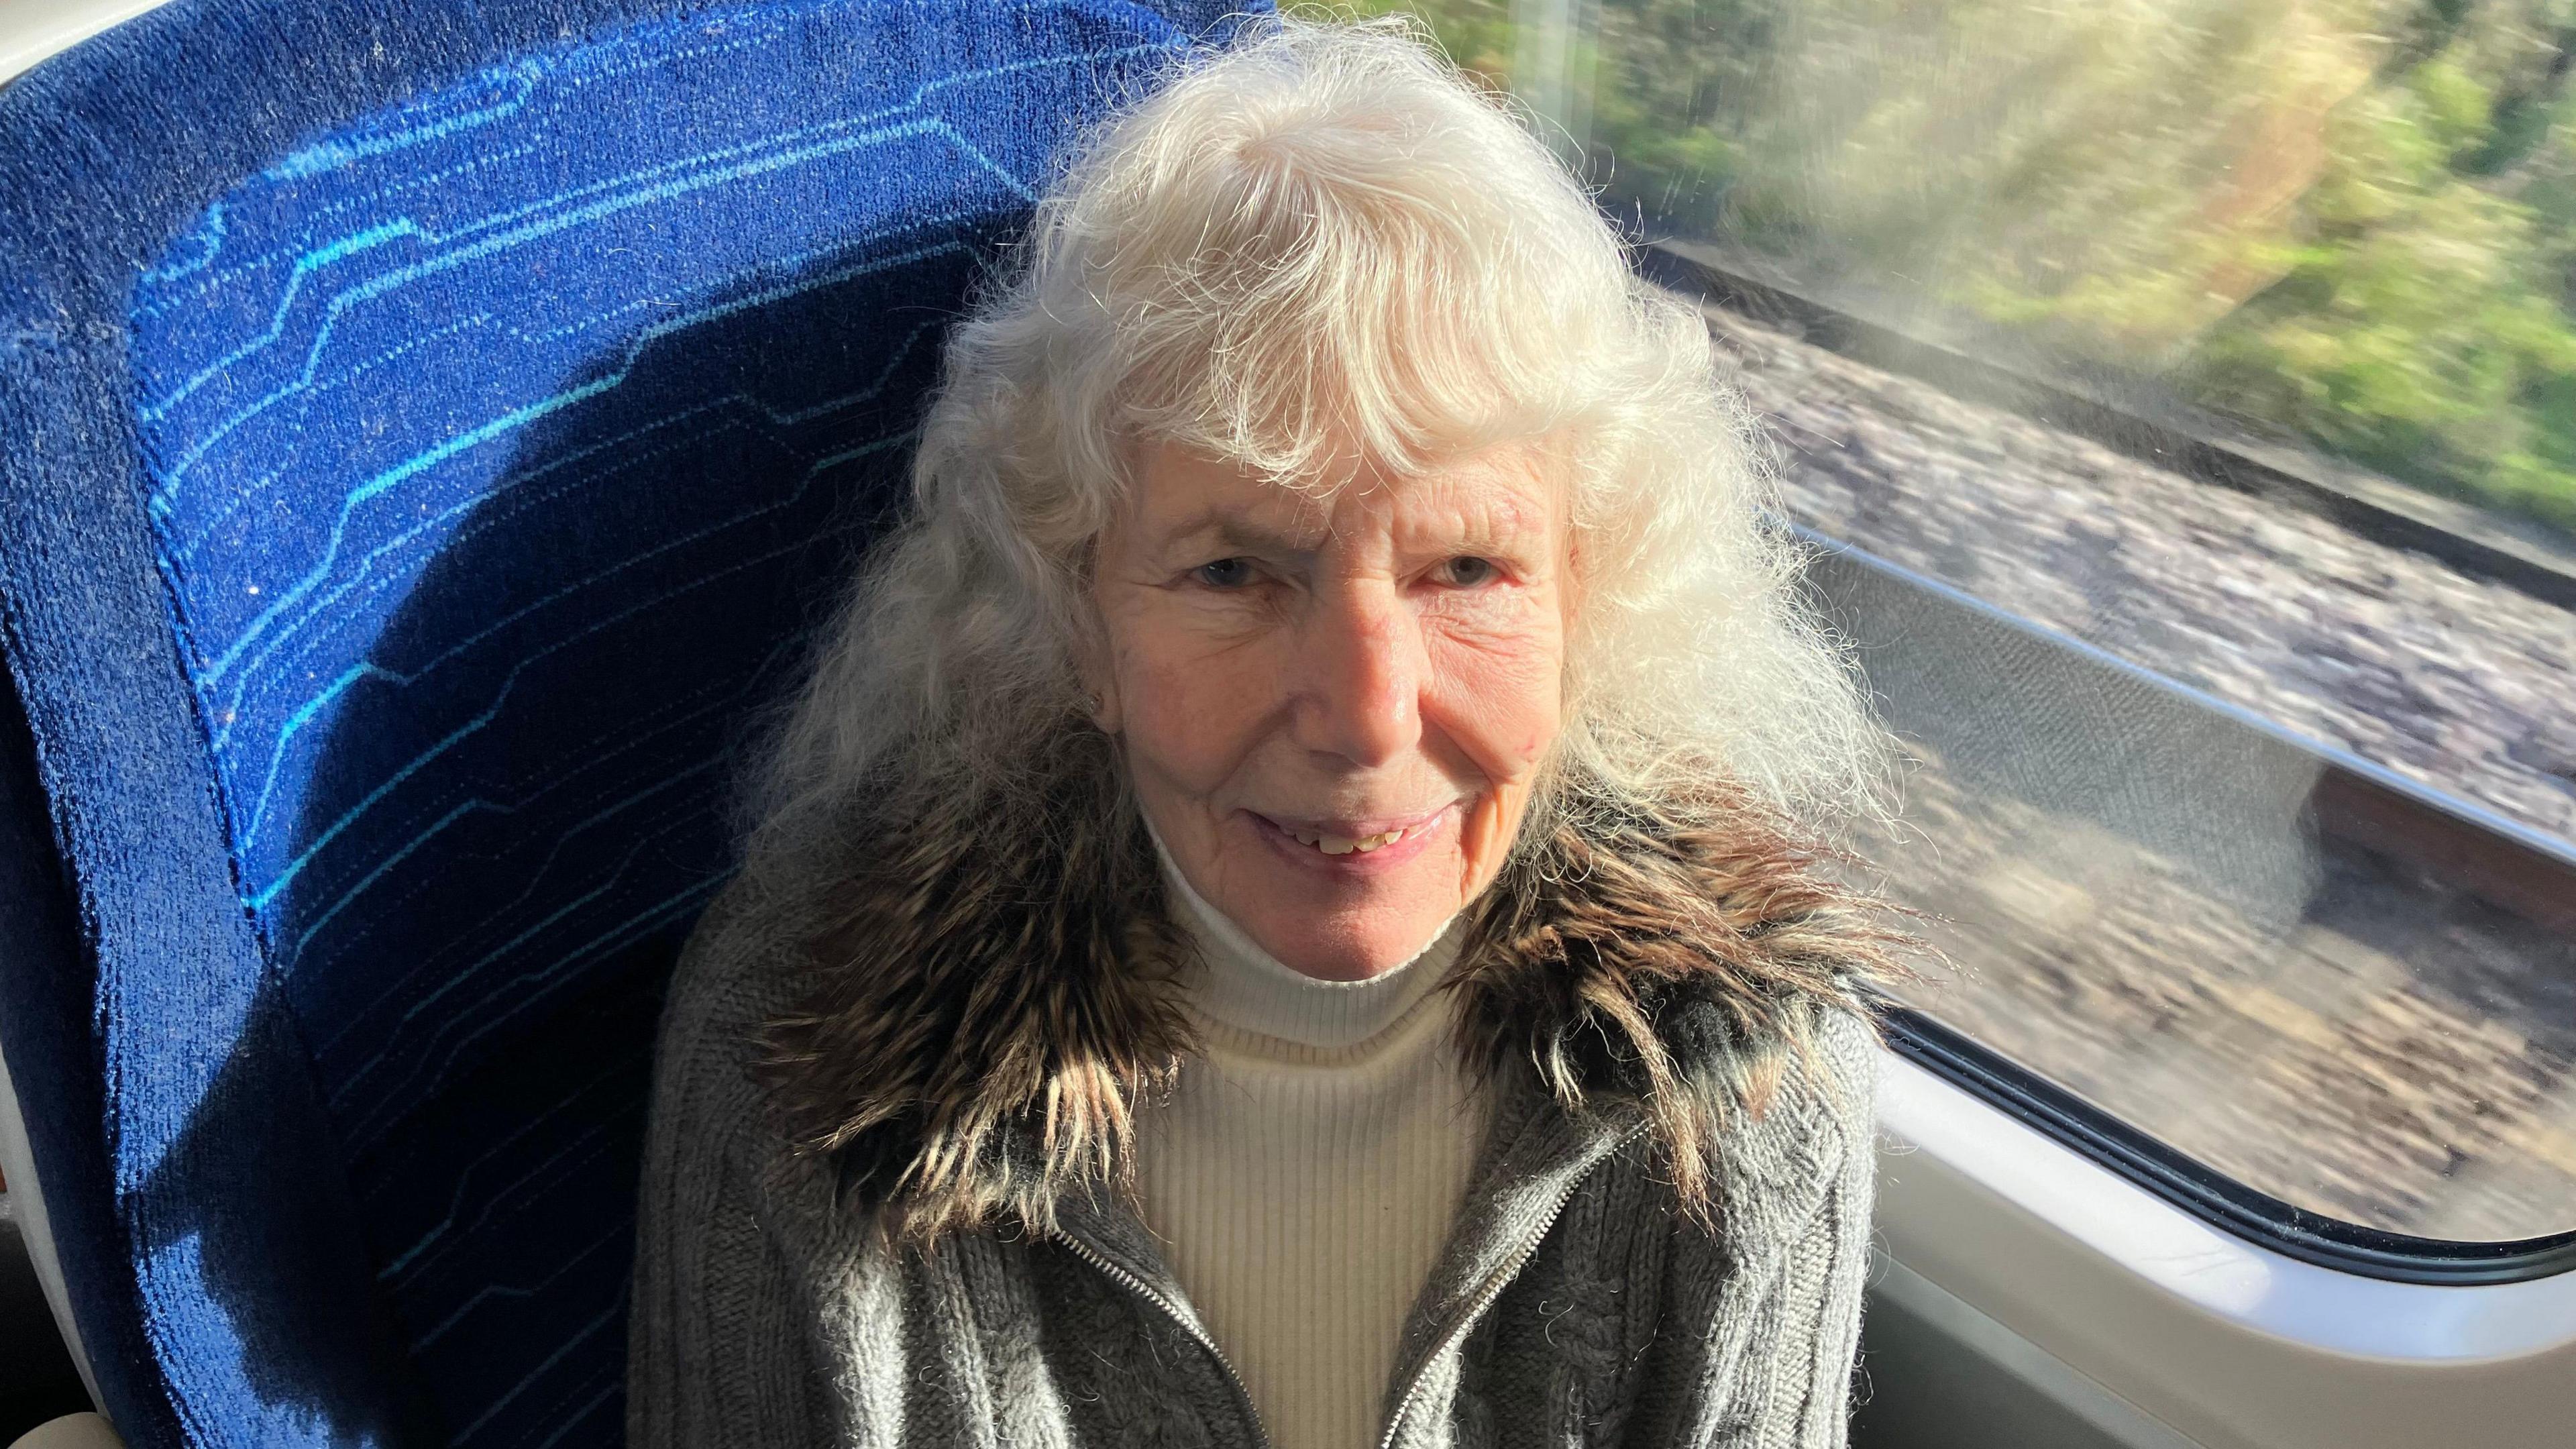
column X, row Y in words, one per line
column 1334, row 963
column 1350, row 940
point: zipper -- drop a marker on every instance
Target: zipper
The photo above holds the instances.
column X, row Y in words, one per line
column 1171, row 1310
column 1493, row 1289
column 1495, row 1285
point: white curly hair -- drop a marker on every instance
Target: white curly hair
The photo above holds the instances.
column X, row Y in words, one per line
column 1316, row 237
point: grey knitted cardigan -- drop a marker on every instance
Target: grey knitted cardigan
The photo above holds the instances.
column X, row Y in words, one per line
column 1663, row 1241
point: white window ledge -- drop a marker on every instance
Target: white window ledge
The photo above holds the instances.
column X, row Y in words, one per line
column 2229, row 1343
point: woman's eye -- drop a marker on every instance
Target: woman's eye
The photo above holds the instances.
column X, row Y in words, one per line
column 1466, row 571
column 1225, row 573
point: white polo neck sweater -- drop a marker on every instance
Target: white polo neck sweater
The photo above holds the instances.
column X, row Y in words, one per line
column 1307, row 1170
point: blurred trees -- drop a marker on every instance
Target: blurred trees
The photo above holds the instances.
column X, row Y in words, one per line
column 2353, row 220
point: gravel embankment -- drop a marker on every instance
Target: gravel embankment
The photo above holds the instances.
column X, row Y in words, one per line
column 2396, row 1054
column 2457, row 682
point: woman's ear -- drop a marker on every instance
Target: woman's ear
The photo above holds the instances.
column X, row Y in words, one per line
column 1097, row 674
column 1096, row 652
column 1100, row 699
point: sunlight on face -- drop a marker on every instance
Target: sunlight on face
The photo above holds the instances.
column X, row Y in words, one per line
column 1333, row 710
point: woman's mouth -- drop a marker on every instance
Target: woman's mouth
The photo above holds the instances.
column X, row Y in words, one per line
column 1331, row 844
column 1350, row 843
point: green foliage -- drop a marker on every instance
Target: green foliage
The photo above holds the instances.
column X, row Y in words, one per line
column 2419, row 327
column 2353, row 220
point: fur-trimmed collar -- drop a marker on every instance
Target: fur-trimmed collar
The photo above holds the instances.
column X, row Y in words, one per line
column 991, row 997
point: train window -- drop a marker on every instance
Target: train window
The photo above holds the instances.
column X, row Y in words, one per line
column 2187, row 395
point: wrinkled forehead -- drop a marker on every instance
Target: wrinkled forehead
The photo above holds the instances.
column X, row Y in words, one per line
column 1517, row 487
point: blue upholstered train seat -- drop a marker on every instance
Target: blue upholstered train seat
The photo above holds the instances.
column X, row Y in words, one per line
column 429, row 433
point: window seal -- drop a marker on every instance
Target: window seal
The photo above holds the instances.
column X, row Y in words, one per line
column 2213, row 458
column 2211, row 1195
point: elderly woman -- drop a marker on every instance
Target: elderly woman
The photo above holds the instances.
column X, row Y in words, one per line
column 1284, row 914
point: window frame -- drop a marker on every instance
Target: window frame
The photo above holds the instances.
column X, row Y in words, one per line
column 2134, row 1154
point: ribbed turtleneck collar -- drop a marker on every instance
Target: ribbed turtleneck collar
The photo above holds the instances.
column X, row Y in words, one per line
column 1250, row 990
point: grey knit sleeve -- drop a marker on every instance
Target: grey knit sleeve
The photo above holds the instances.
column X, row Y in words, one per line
column 718, row 1354
column 1787, row 1269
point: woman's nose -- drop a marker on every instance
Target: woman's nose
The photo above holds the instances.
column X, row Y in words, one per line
column 1362, row 663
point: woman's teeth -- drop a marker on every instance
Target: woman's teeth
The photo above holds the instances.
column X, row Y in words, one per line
column 1347, row 845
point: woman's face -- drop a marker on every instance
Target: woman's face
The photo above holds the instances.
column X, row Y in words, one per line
column 1333, row 710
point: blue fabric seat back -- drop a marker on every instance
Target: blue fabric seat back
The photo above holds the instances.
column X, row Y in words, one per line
column 433, row 431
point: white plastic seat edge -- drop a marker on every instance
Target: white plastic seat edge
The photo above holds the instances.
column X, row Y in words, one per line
column 27, row 1207
column 71, row 1431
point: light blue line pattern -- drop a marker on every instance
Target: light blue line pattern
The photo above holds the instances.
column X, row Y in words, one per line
column 269, row 892
column 382, row 285
column 475, row 508
column 479, row 805
column 670, row 909
column 612, row 1382
column 210, row 231
column 574, row 1342
column 215, row 670
column 305, row 385
column 492, row 1291
column 306, row 265
column 395, row 1267
column 521, row 79
column 165, row 495
column 571, row 77
column 918, row 96
column 365, row 670
column 161, row 304
column 341, row 250
column 158, row 409
column 537, row 877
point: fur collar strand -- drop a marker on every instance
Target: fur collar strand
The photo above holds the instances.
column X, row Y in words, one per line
column 987, row 1003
